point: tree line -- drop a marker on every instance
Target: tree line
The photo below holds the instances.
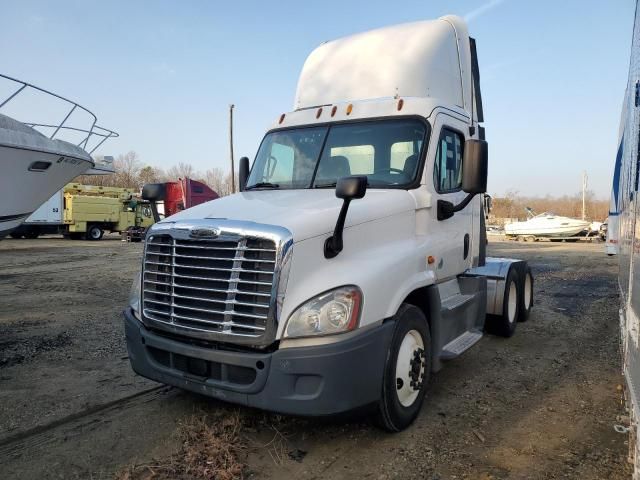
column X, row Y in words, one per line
column 131, row 172
column 513, row 205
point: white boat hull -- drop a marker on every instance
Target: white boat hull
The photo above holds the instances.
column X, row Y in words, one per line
column 557, row 227
column 23, row 190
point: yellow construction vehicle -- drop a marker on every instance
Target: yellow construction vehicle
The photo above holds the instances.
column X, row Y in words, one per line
column 87, row 211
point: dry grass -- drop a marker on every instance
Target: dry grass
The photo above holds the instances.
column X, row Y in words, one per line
column 210, row 449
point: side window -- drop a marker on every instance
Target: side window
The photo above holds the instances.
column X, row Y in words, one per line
column 447, row 171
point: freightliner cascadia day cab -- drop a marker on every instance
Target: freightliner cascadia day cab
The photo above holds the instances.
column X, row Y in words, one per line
column 352, row 263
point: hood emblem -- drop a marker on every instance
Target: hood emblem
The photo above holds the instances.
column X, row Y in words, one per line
column 200, row 232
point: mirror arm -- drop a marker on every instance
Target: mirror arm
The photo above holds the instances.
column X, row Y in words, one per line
column 446, row 209
column 333, row 245
column 154, row 210
column 464, row 202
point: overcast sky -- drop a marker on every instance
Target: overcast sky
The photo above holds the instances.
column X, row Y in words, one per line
column 162, row 73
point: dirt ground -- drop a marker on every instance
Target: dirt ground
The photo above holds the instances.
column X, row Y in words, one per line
column 540, row 405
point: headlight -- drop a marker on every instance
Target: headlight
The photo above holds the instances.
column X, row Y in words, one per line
column 335, row 311
column 134, row 295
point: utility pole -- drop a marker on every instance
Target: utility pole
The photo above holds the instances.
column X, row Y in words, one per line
column 233, row 168
column 584, row 193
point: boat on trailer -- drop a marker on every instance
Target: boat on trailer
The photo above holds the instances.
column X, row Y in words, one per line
column 37, row 159
column 547, row 225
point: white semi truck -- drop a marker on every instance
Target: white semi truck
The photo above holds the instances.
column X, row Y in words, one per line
column 352, row 264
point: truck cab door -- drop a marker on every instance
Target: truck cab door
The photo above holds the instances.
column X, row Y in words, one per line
column 455, row 235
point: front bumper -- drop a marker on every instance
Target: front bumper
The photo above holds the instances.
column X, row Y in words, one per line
column 315, row 380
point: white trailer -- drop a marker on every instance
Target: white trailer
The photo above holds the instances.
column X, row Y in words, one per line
column 624, row 223
column 352, row 264
column 46, row 219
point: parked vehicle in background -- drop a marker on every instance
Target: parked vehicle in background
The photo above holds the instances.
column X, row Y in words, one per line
column 602, row 232
column 624, row 224
column 352, row 264
column 170, row 198
column 87, row 211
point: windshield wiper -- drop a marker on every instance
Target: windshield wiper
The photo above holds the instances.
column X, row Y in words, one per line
column 330, row 185
column 263, row 185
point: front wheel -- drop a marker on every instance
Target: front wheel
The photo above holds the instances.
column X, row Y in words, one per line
column 407, row 370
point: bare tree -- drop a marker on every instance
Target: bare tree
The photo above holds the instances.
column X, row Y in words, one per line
column 514, row 206
column 149, row 174
column 127, row 168
column 182, row 170
column 215, row 179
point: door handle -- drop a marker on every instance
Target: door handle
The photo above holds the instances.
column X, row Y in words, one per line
column 466, row 245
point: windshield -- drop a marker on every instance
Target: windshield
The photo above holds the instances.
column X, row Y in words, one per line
column 386, row 151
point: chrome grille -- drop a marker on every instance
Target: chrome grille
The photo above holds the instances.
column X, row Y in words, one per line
column 220, row 286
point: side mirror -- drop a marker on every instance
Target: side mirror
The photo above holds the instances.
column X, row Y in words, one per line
column 243, row 174
column 347, row 188
column 351, row 187
column 154, row 192
column 475, row 165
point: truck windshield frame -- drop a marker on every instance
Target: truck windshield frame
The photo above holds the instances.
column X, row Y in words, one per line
column 390, row 151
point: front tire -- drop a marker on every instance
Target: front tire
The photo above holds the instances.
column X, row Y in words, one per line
column 407, row 370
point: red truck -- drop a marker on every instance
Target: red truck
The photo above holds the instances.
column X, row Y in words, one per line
column 185, row 193
column 177, row 196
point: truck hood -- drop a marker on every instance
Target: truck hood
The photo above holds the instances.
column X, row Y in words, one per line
column 305, row 213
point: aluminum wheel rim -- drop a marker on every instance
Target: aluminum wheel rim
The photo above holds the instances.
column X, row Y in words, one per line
column 512, row 302
column 411, row 343
column 528, row 291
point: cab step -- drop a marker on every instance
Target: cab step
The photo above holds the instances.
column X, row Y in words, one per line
column 460, row 344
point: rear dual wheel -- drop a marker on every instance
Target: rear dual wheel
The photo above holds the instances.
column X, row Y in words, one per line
column 517, row 303
column 94, row 232
column 526, row 295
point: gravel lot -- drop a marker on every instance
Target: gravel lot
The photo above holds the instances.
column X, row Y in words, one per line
column 540, row 405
